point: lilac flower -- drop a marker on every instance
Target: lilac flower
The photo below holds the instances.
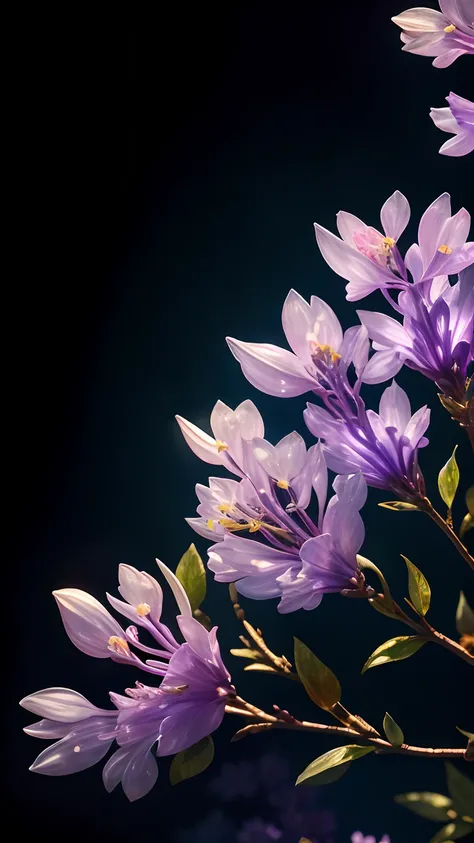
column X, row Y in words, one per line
column 447, row 35
column 368, row 260
column 315, row 560
column 435, row 338
column 259, row 831
column 321, row 354
column 458, row 120
column 188, row 705
column 383, row 446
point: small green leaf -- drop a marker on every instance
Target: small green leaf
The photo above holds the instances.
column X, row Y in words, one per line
column 399, row 506
column 320, row 683
column 467, row 524
column 363, row 562
column 263, row 668
column 461, row 790
column 333, row 758
column 448, row 480
column 244, row 653
column 469, row 735
column 190, row 762
column 392, row 730
column 432, row 806
column 376, row 603
column 328, row 776
column 394, row 650
column 464, row 617
column 452, row 831
column 418, row 588
column 192, row 576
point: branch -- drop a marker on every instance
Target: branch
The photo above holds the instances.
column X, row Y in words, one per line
column 267, row 721
column 279, row 663
column 426, row 506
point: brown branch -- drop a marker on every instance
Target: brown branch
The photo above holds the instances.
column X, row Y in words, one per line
column 426, row 506
column 280, row 663
column 269, row 721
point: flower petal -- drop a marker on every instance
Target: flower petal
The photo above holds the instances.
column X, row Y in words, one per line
column 179, row 593
column 135, row 767
column 272, row 369
column 61, row 705
column 384, row 329
column 421, row 20
column 297, row 323
column 395, row 215
column 80, row 749
column 201, row 444
column 382, row 366
column 139, row 587
column 394, row 408
column 87, row 623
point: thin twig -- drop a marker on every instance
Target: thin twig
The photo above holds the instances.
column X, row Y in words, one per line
column 426, row 506
column 280, row 663
column 269, row 721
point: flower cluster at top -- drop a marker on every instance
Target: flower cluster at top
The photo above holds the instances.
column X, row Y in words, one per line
column 446, row 35
column 264, row 537
column 188, row 704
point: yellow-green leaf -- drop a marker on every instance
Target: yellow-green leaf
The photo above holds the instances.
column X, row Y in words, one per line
column 321, row 685
column 469, row 735
column 363, row 562
column 192, row 761
column 399, row 506
column 418, row 588
column 432, row 806
column 245, row 653
column 392, row 730
column 333, row 758
column 192, row 575
column 263, row 668
column 448, row 480
column 394, row 650
column 452, row 831
column 461, row 790
column 333, row 774
column 464, row 617
column 467, row 524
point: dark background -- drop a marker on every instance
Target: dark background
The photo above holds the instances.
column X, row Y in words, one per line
column 171, row 168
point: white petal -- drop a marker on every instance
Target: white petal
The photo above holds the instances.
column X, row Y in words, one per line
column 395, row 215
column 61, row 705
column 178, row 591
column 203, row 445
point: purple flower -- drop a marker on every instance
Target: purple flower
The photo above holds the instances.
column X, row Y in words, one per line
column 435, row 338
column 358, row 837
column 187, row 706
column 259, row 831
column 368, row 260
column 447, row 35
column 315, row 560
column 321, row 354
column 383, row 446
column 458, row 120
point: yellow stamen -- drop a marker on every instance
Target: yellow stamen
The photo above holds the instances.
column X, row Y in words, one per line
column 143, row 609
column 119, row 645
column 445, row 250
column 450, row 28
column 328, row 350
column 235, row 527
column 210, row 524
column 221, row 446
column 224, row 507
column 283, row 484
column 254, row 526
column 389, row 241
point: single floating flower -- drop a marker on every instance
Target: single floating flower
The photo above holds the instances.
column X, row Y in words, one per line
column 458, row 120
column 187, row 706
column 447, row 35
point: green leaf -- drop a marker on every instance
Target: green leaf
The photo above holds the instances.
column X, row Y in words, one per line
column 452, row 831
column 399, row 506
column 328, row 776
column 363, row 562
column 418, row 588
column 192, row 576
column 245, row 653
column 467, row 524
column 319, row 681
column 392, row 730
column 448, row 480
column 333, row 758
column 394, row 650
column 432, row 806
column 461, row 790
column 464, row 617
column 376, row 603
column 263, row 668
column 190, row 762
column 469, row 735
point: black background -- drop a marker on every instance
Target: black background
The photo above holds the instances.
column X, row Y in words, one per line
column 171, row 166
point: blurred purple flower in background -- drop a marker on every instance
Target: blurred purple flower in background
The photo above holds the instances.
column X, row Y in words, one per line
column 358, row 837
column 447, row 35
column 458, row 120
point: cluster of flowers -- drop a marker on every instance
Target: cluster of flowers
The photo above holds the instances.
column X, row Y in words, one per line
column 290, row 555
column 446, row 35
